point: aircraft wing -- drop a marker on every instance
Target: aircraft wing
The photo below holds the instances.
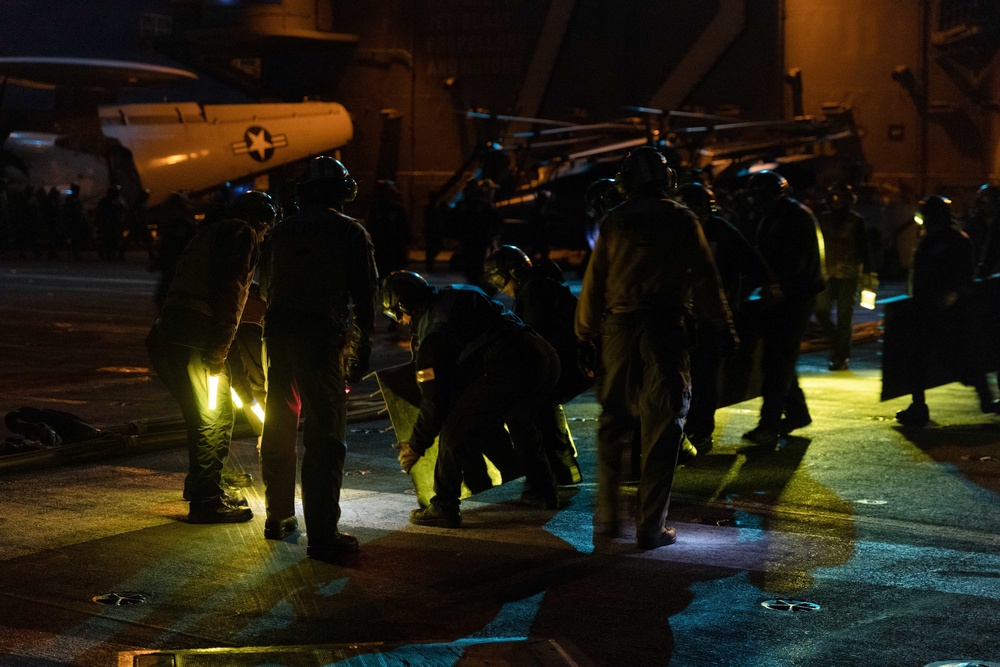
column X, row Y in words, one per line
column 89, row 73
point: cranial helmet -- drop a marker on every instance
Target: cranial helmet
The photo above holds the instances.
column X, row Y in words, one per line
column 602, row 195
column 327, row 177
column 936, row 211
column 697, row 197
column 766, row 187
column 840, row 195
column 405, row 293
column 989, row 194
column 257, row 209
column 506, row 263
column 643, row 167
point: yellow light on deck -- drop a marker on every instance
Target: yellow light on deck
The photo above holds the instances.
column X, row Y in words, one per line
column 237, row 401
column 258, row 410
column 868, row 299
column 213, row 391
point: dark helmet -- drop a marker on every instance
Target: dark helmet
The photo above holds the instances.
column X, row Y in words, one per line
column 988, row 194
column 506, row 263
column 404, row 293
column 840, row 195
column 935, row 211
column 697, row 197
column 257, row 209
column 643, row 167
column 766, row 187
column 602, row 195
column 327, row 177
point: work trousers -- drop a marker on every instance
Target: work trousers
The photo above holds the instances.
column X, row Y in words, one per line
column 782, row 328
column 514, row 389
column 842, row 293
column 558, row 444
column 209, row 432
column 706, row 363
column 645, row 374
column 304, row 373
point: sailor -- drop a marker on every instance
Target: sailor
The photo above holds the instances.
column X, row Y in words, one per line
column 189, row 343
column 319, row 281
column 478, row 367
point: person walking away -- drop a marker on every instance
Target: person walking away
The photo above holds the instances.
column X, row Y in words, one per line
column 740, row 268
column 789, row 239
column 650, row 261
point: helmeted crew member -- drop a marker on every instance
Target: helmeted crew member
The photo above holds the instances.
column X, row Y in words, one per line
column 788, row 237
column 741, row 269
column 319, row 264
column 848, row 267
column 191, row 341
column 545, row 303
column 650, row 259
column 478, row 367
column 477, row 224
column 983, row 228
column 941, row 273
column 109, row 219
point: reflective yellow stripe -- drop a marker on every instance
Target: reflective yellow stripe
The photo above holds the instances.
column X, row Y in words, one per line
column 425, row 375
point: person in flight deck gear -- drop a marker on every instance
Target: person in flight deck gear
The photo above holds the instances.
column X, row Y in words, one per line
column 651, row 259
column 319, row 281
column 77, row 228
column 983, row 228
column 546, row 304
column 191, row 340
column 477, row 225
column 109, row 219
column 848, row 267
column 941, row 273
column 389, row 227
column 176, row 230
column 789, row 239
column 478, row 367
column 740, row 268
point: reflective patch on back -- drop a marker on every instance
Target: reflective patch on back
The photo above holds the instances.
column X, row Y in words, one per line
column 425, row 375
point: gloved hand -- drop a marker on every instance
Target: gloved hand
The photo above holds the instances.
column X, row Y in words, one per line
column 407, row 457
column 356, row 365
column 214, row 359
column 587, row 357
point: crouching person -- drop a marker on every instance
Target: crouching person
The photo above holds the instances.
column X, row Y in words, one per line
column 478, row 367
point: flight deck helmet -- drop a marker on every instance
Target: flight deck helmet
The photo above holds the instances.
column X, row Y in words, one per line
column 642, row 168
column 766, row 188
column 698, row 197
column 505, row 264
column 935, row 210
column 327, row 179
column 256, row 208
column 840, row 196
column 405, row 293
column 601, row 196
column 988, row 199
